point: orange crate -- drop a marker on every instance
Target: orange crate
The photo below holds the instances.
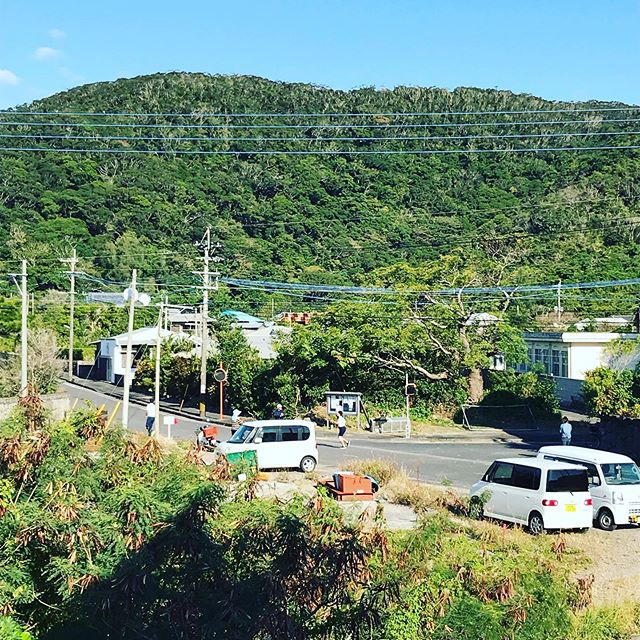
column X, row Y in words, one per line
column 210, row 432
column 355, row 484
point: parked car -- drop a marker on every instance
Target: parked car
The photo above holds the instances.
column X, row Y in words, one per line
column 614, row 483
column 541, row 494
column 278, row 444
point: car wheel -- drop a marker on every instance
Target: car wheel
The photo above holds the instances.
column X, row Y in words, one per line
column 605, row 520
column 307, row 464
column 536, row 524
column 476, row 512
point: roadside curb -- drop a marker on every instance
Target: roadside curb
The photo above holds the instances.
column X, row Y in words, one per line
column 164, row 407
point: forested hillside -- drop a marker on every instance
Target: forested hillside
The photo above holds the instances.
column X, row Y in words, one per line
column 569, row 215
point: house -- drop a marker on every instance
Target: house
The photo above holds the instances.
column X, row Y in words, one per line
column 568, row 356
column 259, row 334
column 111, row 353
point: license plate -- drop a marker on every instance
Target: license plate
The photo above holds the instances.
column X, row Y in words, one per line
column 569, row 507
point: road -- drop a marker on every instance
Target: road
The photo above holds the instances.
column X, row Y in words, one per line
column 460, row 464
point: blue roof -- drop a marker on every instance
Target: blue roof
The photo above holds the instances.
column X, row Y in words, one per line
column 240, row 316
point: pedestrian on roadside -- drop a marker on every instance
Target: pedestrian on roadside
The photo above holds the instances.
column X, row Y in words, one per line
column 151, row 417
column 278, row 412
column 342, row 429
column 565, row 431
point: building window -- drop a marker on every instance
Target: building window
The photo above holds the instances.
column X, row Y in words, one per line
column 555, row 362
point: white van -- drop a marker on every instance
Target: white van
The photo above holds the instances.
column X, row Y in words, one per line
column 278, row 444
column 614, row 482
column 541, row 494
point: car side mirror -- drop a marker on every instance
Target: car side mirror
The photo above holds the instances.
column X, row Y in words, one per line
column 257, row 441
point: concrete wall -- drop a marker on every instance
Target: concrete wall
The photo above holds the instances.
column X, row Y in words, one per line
column 569, row 391
column 56, row 403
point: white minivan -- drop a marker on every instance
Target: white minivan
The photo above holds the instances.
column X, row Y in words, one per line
column 614, row 482
column 278, row 444
column 541, row 494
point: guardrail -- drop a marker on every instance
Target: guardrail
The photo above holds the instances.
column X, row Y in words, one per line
column 390, row 424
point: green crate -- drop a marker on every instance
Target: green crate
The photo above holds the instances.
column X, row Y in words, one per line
column 243, row 462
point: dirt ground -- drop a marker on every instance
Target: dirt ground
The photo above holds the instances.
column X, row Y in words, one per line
column 615, row 562
column 613, row 557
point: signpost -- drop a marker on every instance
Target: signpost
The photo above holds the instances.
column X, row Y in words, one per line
column 346, row 401
column 168, row 421
column 220, row 376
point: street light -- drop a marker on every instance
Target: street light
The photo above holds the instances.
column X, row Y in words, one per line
column 130, row 295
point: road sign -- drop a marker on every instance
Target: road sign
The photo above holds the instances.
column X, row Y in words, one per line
column 220, row 375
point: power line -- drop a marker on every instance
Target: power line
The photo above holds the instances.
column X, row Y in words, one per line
column 97, row 138
column 321, row 152
column 524, row 288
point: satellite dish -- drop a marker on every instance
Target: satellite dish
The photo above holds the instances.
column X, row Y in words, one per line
column 144, row 299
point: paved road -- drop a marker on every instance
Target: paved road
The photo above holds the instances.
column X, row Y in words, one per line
column 459, row 463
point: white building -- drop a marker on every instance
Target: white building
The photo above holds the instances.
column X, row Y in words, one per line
column 568, row 356
column 111, row 353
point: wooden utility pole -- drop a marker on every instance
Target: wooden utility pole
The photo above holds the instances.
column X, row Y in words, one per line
column 72, row 261
column 127, row 371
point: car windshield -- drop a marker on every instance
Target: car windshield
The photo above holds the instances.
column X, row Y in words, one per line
column 241, row 435
column 559, row 480
column 621, row 473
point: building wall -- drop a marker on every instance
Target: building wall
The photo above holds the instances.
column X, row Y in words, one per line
column 583, row 357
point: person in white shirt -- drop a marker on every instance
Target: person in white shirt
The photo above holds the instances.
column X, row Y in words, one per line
column 151, row 417
column 565, row 431
column 342, row 429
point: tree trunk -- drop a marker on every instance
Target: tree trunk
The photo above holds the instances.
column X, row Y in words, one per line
column 476, row 386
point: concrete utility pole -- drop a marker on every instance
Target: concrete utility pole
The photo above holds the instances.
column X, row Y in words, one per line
column 407, row 433
column 24, row 336
column 204, row 346
column 156, row 399
column 204, row 316
column 72, row 261
column 127, row 370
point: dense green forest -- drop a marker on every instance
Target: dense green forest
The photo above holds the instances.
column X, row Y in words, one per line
column 322, row 218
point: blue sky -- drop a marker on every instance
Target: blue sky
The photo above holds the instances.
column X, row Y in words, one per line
column 562, row 49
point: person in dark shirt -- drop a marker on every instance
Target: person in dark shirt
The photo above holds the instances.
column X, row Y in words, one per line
column 278, row 412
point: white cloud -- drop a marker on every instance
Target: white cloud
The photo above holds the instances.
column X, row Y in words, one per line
column 8, row 77
column 46, row 53
column 56, row 33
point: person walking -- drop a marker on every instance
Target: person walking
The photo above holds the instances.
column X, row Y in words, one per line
column 151, row 417
column 565, row 431
column 278, row 412
column 342, row 429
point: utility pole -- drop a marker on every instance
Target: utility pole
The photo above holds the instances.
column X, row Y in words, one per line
column 407, row 433
column 24, row 337
column 72, row 261
column 204, row 346
column 559, row 308
column 127, row 371
column 156, row 398
column 204, row 340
